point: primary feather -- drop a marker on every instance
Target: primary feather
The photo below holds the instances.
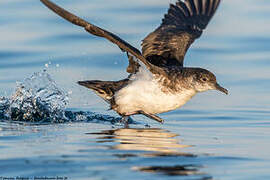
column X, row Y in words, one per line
column 184, row 22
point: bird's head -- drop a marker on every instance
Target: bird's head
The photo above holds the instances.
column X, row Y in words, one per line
column 204, row 80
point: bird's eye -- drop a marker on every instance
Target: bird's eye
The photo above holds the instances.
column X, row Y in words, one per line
column 204, row 79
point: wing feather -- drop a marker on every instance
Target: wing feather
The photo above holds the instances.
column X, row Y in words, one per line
column 123, row 45
column 184, row 22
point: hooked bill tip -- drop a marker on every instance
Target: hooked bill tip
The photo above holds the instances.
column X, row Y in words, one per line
column 222, row 89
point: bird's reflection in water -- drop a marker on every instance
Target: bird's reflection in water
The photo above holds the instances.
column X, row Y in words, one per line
column 151, row 143
column 177, row 170
column 159, row 141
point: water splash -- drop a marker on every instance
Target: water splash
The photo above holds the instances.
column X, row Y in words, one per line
column 39, row 99
column 4, row 106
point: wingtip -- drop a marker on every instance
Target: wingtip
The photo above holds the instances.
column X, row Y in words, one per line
column 46, row 2
column 65, row 14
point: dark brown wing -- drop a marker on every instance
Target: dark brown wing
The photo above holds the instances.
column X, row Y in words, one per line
column 183, row 23
column 123, row 45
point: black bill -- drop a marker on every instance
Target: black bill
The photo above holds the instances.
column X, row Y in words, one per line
column 219, row 88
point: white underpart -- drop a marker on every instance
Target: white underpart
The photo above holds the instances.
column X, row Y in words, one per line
column 145, row 93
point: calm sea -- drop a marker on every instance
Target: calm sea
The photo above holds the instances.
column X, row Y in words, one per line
column 213, row 136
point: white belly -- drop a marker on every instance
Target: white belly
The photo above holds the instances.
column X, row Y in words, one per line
column 146, row 94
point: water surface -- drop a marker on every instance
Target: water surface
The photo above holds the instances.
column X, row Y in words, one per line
column 212, row 137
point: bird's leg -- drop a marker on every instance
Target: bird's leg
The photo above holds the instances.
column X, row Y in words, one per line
column 152, row 116
column 124, row 120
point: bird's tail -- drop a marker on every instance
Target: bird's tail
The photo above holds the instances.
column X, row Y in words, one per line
column 104, row 89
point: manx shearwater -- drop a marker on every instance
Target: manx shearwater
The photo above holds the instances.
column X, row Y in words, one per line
column 158, row 81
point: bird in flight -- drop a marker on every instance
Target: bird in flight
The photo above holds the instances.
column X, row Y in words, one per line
column 157, row 82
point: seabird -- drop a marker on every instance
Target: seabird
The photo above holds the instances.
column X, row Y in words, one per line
column 157, row 82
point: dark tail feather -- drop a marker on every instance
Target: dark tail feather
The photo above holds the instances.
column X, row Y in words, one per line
column 94, row 85
column 105, row 89
column 101, row 88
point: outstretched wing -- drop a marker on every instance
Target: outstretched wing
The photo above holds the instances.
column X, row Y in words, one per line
column 123, row 45
column 184, row 22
